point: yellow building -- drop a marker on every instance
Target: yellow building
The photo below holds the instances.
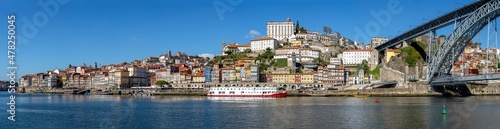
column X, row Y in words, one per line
column 122, row 78
column 283, row 78
column 238, row 73
column 64, row 79
column 390, row 53
column 198, row 78
column 307, row 78
column 296, row 43
column 246, row 62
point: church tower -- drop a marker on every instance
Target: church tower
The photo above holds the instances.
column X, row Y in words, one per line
column 223, row 46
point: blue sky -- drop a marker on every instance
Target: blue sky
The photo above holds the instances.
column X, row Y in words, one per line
column 110, row 32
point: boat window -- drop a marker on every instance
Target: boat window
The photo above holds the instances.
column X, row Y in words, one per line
column 242, row 92
column 231, row 92
column 265, row 92
column 211, row 92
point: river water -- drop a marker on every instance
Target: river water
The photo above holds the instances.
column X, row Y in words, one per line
column 99, row 111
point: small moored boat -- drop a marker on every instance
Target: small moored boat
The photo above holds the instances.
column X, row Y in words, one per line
column 101, row 92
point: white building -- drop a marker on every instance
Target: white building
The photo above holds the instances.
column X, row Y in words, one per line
column 301, row 54
column 336, row 61
column 234, row 48
column 52, row 80
column 377, row 41
column 354, row 57
column 280, row 30
column 138, row 76
column 261, row 44
column 26, row 81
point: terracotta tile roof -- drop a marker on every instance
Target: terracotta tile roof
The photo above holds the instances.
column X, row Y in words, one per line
column 286, row 48
column 246, row 58
column 246, row 45
column 265, row 38
column 359, row 50
column 232, row 46
column 161, row 70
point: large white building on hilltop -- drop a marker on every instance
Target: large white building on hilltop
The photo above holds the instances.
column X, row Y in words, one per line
column 301, row 54
column 280, row 30
column 377, row 41
column 261, row 44
column 354, row 57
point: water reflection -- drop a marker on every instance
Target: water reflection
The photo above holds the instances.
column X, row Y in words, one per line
column 101, row 111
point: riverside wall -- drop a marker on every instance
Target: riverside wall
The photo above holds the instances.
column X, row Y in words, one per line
column 491, row 89
column 405, row 89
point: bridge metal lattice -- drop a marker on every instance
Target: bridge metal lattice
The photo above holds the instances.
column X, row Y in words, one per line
column 454, row 16
column 471, row 18
column 443, row 60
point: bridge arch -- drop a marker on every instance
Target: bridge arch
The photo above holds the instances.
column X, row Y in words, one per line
column 442, row 61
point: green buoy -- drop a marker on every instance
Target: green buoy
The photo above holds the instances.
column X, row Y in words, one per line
column 444, row 109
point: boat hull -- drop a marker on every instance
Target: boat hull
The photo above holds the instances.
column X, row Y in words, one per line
column 361, row 96
column 277, row 95
column 317, row 95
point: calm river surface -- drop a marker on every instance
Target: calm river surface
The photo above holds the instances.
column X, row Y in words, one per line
column 98, row 111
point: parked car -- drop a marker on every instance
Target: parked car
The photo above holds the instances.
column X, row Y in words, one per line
column 332, row 88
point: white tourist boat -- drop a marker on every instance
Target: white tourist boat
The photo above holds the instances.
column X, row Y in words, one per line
column 246, row 92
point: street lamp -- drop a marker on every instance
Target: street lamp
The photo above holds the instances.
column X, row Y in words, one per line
column 458, row 3
column 424, row 19
column 439, row 12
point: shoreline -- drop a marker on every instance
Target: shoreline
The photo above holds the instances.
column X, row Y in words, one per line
column 411, row 91
column 294, row 94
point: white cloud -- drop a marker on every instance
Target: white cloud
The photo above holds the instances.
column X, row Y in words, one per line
column 211, row 56
column 252, row 34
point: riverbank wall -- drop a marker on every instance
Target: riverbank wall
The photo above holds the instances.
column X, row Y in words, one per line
column 413, row 89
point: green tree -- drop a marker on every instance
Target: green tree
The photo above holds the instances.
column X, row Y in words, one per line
column 327, row 30
column 297, row 26
column 364, row 66
column 262, row 67
column 218, row 59
column 210, row 63
column 161, row 83
column 267, row 55
column 279, row 46
column 321, row 61
column 228, row 52
column 303, row 30
column 335, row 55
column 288, row 44
column 248, row 50
column 411, row 56
column 376, row 72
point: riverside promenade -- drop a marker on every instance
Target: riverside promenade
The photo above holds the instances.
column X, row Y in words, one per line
column 409, row 90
